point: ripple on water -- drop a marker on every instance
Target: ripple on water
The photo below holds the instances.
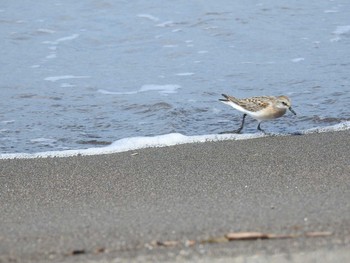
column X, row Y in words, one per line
column 162, row 70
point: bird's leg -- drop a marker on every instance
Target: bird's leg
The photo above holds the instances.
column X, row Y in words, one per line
column 259, row 128
column 239, row 129
column 242, row 124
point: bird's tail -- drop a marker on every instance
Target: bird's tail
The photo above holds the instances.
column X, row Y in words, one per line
column 228, row 98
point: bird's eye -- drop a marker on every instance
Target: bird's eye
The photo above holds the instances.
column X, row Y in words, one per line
column 284, row 103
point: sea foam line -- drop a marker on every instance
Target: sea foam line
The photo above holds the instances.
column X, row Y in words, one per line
column 148, row 16
column 56, row 78
column 135, row 143
column 62, row 39
column 162, row 89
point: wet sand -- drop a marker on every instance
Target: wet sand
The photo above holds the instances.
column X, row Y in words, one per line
column 177, row 203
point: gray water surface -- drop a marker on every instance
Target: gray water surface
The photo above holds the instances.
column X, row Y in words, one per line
column 83, row 74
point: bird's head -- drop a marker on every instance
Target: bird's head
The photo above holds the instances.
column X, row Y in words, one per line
column 284, row 102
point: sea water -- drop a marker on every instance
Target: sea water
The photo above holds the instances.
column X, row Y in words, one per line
column 93, row 74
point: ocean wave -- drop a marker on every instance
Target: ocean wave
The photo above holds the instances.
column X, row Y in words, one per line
column 135, row 143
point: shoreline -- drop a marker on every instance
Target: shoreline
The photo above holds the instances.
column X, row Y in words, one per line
column 166, row 140
column 121, row 203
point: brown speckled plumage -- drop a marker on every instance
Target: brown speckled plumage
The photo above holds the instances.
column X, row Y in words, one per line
column 252, row 104
column 260, row 108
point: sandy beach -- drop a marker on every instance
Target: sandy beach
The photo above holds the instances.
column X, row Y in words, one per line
column 179, row 203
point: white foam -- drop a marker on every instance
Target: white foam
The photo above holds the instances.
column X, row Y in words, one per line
column 45, row 30
column 62, row 39
column 338, row 127
column 340, row 31
column 56, row 78
column 42, row 140
column 162, row 89
column 51, row 56
column 135, row 143
column 166, row 24
column 107, row 92
column 330, row 11
column 185, row 74
column 170, row 46
column 149, row 17
column 295, row 60
column 335, row 39
column 67, row 85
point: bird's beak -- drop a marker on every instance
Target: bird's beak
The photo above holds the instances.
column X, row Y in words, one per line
column 290, row 108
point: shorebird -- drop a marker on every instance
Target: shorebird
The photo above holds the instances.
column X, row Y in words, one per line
column 260, row 108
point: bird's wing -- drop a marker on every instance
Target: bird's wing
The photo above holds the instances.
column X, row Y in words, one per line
column 255, row 104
